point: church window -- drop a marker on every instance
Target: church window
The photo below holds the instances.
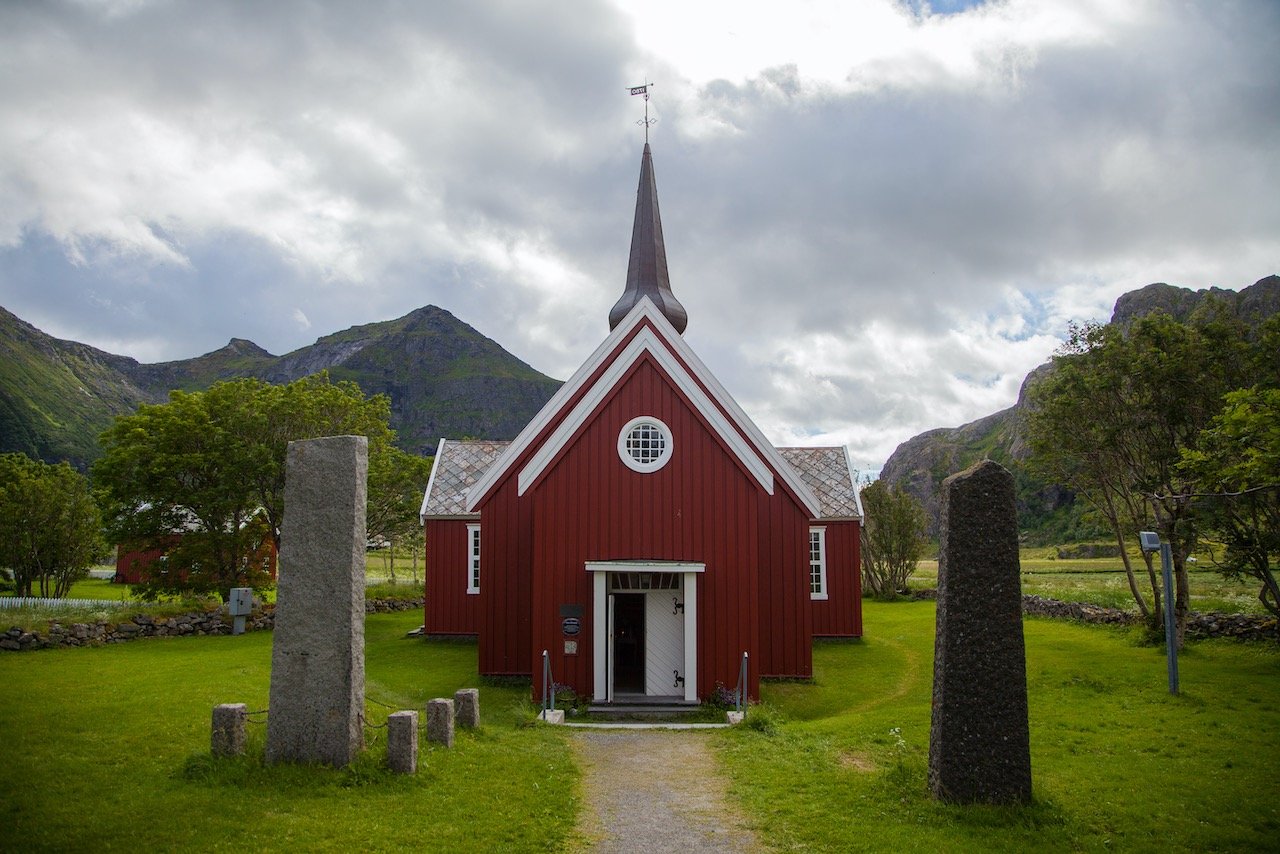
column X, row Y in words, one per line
column 645, row 444
column 817, row 563
column 473, row 558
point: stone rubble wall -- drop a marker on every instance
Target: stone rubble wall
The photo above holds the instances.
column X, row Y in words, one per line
column 213, row 622
column 1206, row 625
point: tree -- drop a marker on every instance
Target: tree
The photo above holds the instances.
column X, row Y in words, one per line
column 50, row 528
column 1113, row 421
column 397, row 481
column 1237, row 465
column 1090, row 453
column 202, row 476
column 893, row 538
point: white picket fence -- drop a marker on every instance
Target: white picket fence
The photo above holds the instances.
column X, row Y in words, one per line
column 39, row 602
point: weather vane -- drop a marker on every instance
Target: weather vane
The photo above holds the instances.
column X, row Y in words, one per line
column 646, row 121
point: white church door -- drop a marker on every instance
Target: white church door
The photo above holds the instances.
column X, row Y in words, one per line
column 664, row 643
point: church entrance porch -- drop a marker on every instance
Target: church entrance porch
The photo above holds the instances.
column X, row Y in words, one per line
column 644, row 638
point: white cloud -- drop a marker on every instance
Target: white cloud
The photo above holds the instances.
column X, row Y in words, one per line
column 879, row 217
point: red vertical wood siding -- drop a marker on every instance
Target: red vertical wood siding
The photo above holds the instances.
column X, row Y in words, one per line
column 449, row 608
column 701, row 507
column 506, row 582
column 786, row 616
column 840, row 614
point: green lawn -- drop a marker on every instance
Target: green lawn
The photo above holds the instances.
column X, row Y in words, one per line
column 1117, row 763
column 107, row 748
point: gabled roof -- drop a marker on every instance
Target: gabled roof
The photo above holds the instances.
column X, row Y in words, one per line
column 829, row 473
column 588, row 388
column 457, row 466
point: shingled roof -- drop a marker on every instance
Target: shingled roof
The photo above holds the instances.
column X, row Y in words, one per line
column 458, row 465
column 828, row 473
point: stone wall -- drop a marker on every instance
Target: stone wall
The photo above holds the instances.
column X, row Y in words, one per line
column 213, row 622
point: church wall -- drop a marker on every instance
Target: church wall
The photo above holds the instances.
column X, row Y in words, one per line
column 786, row 617
column 449, row 609
column 840, row 615
column 700, row 507
column 506, row 581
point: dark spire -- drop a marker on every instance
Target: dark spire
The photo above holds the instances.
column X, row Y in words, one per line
column 647, row 269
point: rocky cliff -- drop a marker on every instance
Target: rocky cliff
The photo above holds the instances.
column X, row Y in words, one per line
column 1047, row 511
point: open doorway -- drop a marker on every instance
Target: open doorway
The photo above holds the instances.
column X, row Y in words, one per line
column 628, row 644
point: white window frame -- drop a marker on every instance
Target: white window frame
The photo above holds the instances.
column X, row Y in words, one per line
column 818, row 568
column 667, row 451
column 473, row 559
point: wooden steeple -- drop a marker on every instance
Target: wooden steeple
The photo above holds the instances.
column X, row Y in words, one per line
column 647, row 270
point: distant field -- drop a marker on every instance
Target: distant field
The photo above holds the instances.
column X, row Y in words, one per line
column 1097, row 581
column 1101, row 581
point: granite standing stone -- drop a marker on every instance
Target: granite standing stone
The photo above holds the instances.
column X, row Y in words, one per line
column 440, row 722
column 317, row 652
column 466, row 705
column 402, row 742
column 979, row 741
column 228, row 729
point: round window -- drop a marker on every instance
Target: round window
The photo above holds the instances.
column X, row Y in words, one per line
column 645, row 444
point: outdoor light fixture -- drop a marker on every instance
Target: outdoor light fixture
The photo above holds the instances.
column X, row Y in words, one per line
column 1149, row 541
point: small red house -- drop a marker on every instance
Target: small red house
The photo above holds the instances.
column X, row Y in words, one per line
column 641, row 529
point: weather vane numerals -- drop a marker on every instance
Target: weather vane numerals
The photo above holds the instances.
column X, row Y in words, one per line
column 646, row 121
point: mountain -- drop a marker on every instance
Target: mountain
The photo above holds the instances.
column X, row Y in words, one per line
column 1047, row 513
column 442, row 376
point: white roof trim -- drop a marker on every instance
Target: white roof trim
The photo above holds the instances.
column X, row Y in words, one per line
column 646, row 309
column 853, row 478
column 431, row 481
column 545, row 415
column 780, row 465
column 644, row 342
column 655, row 565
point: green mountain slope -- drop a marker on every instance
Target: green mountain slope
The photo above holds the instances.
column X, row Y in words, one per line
column 443, row 377
column 57, row 396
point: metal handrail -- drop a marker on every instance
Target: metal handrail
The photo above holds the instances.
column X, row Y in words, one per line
column 740, row 693
column 548, row 685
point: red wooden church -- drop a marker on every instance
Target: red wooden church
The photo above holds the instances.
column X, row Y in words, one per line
column 641, row 528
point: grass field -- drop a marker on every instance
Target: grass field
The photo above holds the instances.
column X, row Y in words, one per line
column 1101, row 581
column 107, row 748
column 1117, row 763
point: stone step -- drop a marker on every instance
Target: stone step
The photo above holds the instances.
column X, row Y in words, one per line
column 642, row 710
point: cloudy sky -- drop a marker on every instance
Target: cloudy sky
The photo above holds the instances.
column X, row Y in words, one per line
column 879, row 214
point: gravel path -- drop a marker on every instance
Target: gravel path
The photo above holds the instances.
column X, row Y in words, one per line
column 655, row 791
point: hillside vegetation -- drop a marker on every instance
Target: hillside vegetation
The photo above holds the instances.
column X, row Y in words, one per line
column 442, row 376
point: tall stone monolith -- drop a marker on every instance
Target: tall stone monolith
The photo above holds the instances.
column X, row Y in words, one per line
column 979, row 741
column 317, row 652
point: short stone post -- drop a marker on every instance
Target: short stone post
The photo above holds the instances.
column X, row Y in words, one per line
column 440, row 722
column 317, row 652
column 402, row 742
column 228, row 729
column 979, row 741
column 467, row 707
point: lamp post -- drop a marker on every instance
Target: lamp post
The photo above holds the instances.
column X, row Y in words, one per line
column 1150, row 542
